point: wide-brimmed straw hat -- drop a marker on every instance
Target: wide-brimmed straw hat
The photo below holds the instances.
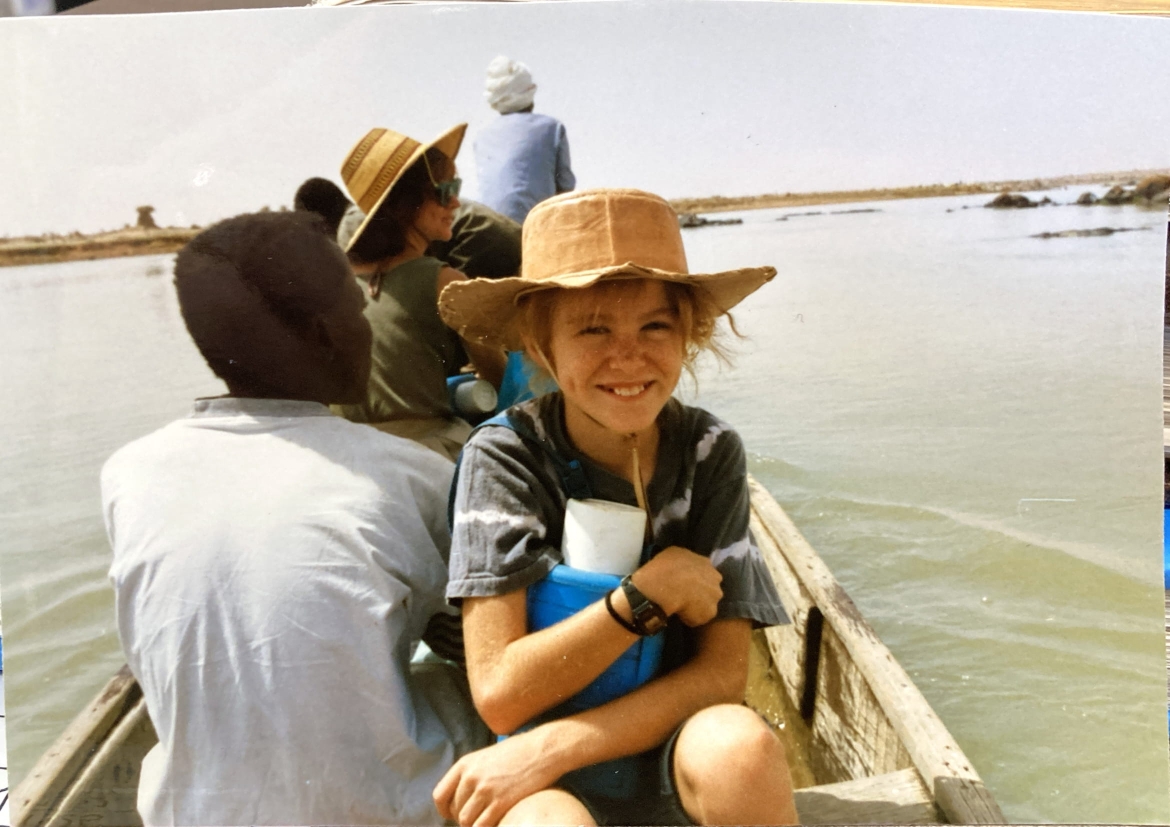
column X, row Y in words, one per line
column 578, row 239
column 378, row 161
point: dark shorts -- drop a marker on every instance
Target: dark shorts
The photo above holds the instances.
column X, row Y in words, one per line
column 657, row 802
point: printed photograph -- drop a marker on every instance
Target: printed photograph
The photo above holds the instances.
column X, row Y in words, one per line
column 880, row 282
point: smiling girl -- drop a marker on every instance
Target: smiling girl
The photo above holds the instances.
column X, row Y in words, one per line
column 606, row 306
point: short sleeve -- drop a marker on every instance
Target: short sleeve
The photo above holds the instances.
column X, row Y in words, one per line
column 506, row 519
column 720, row 518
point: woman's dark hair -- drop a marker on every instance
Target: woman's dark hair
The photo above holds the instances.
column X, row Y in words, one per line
column 325, row 198
column 385, row 235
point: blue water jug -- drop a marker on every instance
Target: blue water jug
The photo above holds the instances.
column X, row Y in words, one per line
column 564, row 592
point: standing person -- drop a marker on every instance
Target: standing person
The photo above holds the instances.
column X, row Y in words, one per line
column 521, row 157
column 273, row 564
column 606, row 305
column 409, row 193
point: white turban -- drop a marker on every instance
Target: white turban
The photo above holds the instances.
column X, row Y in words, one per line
column 509, row 86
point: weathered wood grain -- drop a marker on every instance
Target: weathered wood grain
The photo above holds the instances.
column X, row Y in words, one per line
column 894, row 798
column 960, row 793
column 852, row 737
column 106, row 791
column 35, row 798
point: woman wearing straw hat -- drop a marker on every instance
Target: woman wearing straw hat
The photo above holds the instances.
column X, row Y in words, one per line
column 409, row 193
column 605, row 304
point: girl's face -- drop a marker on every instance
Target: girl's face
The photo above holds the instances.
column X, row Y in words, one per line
column 433, row 221
column 616, row 352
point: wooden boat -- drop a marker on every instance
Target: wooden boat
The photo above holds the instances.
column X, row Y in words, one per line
column 856, row 727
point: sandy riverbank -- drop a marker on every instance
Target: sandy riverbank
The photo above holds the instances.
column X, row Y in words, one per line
column 133, row 241
column 721, row 203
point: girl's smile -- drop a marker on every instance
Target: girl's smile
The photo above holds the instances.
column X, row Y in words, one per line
column 617, row 353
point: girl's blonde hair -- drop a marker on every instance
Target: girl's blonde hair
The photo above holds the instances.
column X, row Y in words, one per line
column 697, row 312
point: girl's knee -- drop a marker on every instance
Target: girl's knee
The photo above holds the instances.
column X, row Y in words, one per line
column 726, row 739
column 731, row 769
column 548, row 807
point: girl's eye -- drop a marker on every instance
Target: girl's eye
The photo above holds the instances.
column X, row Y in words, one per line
column 658, row 325
column 595, row 330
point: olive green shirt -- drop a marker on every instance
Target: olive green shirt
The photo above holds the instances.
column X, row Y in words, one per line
column 413, row 352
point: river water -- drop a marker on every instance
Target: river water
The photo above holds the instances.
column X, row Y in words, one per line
column 964, row 421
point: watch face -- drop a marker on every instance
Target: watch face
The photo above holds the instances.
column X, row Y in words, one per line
column 648, row 615
column 654, row 623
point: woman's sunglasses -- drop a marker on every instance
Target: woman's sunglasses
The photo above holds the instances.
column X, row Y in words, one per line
column 447, row 190
column 444, row 190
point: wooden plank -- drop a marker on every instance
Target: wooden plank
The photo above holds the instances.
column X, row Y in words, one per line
column 39, row 792
column 960, row 793
column 106, row 791
column 894, row 798
column 852, row 736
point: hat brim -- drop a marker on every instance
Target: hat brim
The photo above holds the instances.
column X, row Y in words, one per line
column 448, row 143
column 485, row 310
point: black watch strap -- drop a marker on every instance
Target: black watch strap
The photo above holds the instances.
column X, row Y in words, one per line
column 649, row 618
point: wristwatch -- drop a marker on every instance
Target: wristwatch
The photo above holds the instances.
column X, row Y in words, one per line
column 649, row 618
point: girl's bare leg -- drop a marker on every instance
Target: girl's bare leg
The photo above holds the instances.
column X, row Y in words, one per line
column 731, row 769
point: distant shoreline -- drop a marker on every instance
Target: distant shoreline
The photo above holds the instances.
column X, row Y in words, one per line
column 720, row 203
column 137, row 241
column 133, row 241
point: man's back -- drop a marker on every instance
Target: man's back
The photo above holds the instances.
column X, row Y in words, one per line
column 521, row 159
column 272, row 565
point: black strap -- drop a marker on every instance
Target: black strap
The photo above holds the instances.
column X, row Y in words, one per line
column 625, row 624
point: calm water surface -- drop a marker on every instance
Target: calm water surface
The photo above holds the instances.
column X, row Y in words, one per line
column 964, row 421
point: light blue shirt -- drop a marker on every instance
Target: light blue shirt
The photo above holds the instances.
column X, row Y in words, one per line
column 521, row 159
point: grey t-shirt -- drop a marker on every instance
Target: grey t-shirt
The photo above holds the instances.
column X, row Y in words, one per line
column 510, row 506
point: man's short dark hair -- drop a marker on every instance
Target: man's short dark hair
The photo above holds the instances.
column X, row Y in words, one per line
column 322, row 196
column 252, row 290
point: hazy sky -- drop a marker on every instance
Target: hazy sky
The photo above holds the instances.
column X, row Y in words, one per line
column 205, row 115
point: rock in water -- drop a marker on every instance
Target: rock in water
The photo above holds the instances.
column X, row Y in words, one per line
column 1096, row 231
column 1010, row 201
column 1117, row 195
column 687, row 220
column 1153, row 188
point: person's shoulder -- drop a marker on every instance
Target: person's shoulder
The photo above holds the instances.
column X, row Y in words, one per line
column 157, row 445
column 516, row 426
column 709, row 434
column 473, row 213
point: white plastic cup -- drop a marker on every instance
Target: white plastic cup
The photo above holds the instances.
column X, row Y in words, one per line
column 476, row 396
column 603, row 537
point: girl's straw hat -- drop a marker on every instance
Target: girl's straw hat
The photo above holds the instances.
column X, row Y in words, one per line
column 577, row 239
column 379, row 160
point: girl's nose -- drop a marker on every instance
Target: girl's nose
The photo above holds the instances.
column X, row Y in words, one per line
column 626, row 350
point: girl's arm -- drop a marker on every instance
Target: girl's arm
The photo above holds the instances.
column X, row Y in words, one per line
column 514, row 675
column 484, row 785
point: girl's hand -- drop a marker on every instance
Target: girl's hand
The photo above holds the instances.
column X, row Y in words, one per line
column 682, row 583
column 484, row 785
